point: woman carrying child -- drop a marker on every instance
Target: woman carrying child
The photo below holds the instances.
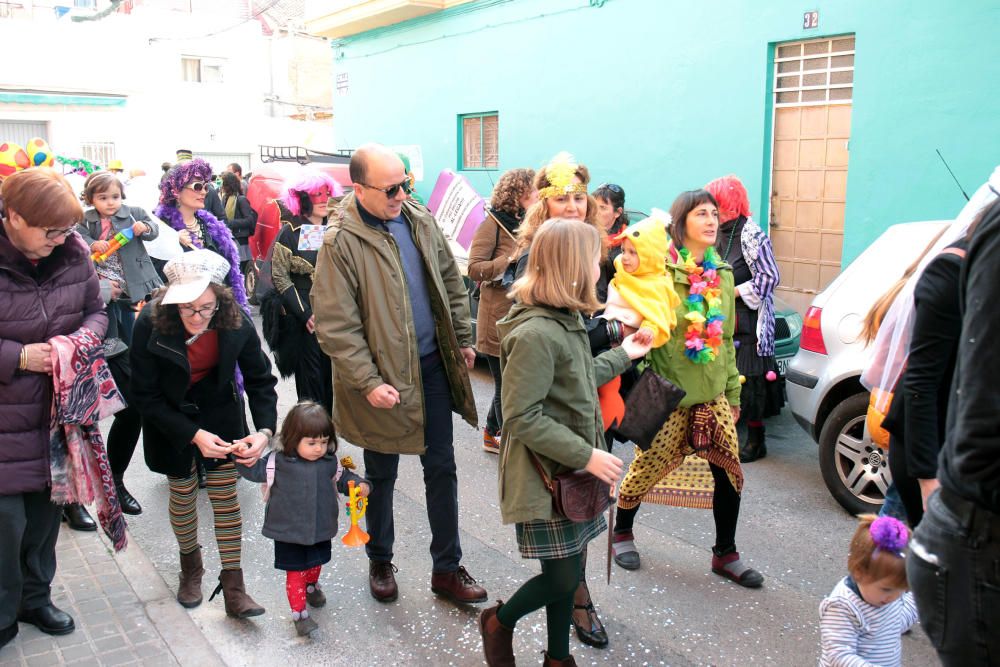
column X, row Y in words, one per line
column 694, row 460
column 551, row 414
column 302, row 506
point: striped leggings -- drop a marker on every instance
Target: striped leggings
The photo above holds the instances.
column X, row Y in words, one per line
column 221, row 484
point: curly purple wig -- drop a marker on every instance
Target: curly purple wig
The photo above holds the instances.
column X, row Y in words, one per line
column 309, row 181
column 180, row 175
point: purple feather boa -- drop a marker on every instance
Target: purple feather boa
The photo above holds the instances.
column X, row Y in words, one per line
column 223, row 238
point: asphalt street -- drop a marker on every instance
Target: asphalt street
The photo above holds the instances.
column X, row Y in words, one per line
column 673, row 611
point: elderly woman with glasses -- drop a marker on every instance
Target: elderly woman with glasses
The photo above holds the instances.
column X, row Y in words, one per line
column 48, row 288
column 182, row 206
column 292, row 325
column 185, row 349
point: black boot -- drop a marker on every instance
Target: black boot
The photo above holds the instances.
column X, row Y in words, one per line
column 755, row 447
column 129, row 504
column 78, row 518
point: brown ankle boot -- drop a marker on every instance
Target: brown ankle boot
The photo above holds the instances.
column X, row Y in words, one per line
column 189, row 590
column 552, row 662
column 238, row 603
column 498, row 639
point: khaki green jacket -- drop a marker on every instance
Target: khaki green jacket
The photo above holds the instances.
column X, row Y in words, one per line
column 550, row 403
column 702, row 382
column 364, row 323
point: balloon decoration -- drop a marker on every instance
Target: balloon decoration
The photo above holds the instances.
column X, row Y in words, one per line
column 39, row 153
column 12, row 158
column 81, row 166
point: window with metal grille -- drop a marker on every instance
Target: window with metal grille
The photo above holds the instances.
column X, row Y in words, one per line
column 98, row 152
column 478, row 140
column 815, row 72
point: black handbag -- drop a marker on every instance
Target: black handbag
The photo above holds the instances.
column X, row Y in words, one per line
column 647, row 407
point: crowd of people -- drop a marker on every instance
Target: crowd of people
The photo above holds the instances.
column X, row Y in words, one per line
column 583, row 314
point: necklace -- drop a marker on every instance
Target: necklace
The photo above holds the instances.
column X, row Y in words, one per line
column 703, row 337
column 729, row 245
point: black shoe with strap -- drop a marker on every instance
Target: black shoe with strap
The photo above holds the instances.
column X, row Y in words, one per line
column 594, row 635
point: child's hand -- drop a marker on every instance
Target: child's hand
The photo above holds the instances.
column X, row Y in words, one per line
column 605, row 466
column 99, row 246
column 364, row 488
column 140, row 228
column 636, row 349
column 643, row 337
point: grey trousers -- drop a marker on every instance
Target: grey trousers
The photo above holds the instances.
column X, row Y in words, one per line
column 29, row 528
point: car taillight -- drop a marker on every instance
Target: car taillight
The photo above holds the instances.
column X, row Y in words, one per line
column 812, row 332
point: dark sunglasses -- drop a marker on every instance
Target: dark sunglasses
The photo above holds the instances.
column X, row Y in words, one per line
column 611, row 186
column 197, row 186
column 392, row 190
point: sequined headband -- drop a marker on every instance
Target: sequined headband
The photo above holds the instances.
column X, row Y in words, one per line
column 556, row 190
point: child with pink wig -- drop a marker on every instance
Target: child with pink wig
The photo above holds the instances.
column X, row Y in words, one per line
column 306, row 200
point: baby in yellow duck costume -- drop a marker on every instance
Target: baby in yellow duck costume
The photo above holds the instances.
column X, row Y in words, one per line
column 641, row 295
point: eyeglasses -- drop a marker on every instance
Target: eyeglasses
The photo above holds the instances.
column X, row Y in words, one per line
column 204, row 312
column 392, row 190
column 197, row 186
column 52, row 234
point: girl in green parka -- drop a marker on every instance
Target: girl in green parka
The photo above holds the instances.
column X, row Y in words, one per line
column 694, row 459
column 549, row 402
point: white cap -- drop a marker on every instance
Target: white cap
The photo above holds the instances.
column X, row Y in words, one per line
column 190, row 275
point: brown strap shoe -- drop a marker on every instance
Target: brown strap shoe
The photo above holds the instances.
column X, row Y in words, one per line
column 382, row 581
column 238, row 603
column 458, row 586
column 498, row 639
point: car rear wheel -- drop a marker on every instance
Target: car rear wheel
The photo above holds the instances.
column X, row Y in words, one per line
column 854, row 469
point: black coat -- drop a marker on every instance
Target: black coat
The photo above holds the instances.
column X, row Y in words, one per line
column 172, row 412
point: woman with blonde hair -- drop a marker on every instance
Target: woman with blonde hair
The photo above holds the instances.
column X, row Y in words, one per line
column 491, row 253
column 553, row 424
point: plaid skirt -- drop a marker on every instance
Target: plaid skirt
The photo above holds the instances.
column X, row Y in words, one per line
column 557, row 538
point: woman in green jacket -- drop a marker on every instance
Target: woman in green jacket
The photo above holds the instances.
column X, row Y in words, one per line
column 549, row 402
column 694, row 459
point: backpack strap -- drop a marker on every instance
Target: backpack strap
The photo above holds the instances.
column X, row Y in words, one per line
column 265, row 488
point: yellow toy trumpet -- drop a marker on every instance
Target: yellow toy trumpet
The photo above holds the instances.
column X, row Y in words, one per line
column 357, row 505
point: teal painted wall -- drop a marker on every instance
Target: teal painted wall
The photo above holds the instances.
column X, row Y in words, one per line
column 661, row 96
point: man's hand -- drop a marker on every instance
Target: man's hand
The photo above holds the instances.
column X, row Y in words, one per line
column 39, row 359
column 383, row 396
column 927, row 487
column 470, row 356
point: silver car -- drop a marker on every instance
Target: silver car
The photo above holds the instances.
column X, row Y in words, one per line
column 823, row 379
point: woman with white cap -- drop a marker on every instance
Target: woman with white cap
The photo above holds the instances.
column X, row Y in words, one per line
column 185, row 349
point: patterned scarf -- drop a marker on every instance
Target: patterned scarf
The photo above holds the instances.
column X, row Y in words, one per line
column 83, row 394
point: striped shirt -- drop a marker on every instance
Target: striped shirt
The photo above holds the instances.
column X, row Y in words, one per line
column 856, row 634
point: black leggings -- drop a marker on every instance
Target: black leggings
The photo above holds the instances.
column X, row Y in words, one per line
column 725, row 510
column 494, row 419
column 125, row 429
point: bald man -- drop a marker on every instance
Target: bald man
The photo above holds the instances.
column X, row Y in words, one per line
column 393, row 314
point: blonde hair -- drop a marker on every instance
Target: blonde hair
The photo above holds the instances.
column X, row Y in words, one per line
column 868, row 564
column 560, row 271
column 538, row 213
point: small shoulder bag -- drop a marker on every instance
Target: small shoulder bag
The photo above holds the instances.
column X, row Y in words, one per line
column 576, row 495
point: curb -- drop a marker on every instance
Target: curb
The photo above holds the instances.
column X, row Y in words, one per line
column 181, row 634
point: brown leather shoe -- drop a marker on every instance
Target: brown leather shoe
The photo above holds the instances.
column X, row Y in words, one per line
column 458, row 586
column 498, row 639
column 382, row 581
column 552, row 662
column 238, row 603
column 189, row 590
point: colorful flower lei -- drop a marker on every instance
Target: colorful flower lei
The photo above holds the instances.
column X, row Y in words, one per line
column 703, row 337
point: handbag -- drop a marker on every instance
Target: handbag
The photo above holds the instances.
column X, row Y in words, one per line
column 647, row 407
column 576, row 495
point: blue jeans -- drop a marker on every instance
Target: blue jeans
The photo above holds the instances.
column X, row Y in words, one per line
column 893, row 505
column 440, row 478
column 953, row 567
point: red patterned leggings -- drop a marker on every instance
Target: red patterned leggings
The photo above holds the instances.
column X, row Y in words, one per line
column 295, row 586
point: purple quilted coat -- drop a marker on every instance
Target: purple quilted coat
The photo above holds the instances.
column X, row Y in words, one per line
column 54, row 298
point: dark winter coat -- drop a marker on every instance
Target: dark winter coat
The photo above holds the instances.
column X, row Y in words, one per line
column 141, row 277
column 54, row 298
column 303, row 507
column 171, row 414
column 244, row 222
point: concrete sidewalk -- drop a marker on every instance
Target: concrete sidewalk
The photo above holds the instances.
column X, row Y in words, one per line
column 124, row 612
